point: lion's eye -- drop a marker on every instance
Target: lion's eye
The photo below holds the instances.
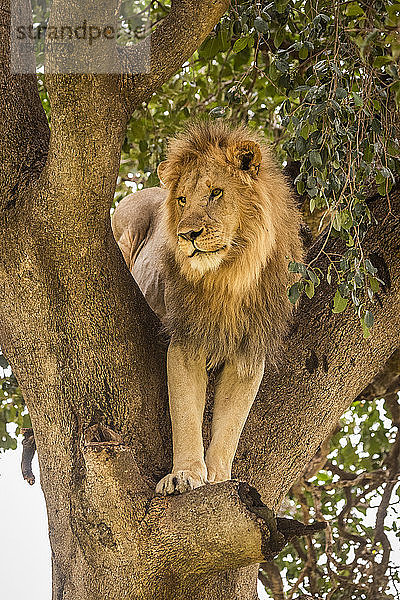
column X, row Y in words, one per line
column 181, row 200
column 216, row 193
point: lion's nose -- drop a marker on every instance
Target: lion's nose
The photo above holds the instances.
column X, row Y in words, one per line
column 191, row 235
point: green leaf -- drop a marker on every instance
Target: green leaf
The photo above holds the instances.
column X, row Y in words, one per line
column 303, row 52
column 261, row 25
column 279, row 37
column 345, row 220
column 373, row 282
column 239, row 45
column 339, row 303
column 337, row 222
column 309, row 289
column 300, row 187
column 210, row 47
column 301, row 145
column 358, row 101
column 26, row 421
column 366, row 330
column 280, row 5
column 314, row 278
column 354, row 10
column 294, row 292
column 315, row 158
column 250, row 41
column 312, row 192
column 224, row 35
column 282, row 65
column 382, row 60
column 368, row 319
column 295, row 267
column 368, row 153
column 340, row 93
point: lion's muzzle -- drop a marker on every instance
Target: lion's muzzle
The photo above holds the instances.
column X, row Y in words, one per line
column 191, row 234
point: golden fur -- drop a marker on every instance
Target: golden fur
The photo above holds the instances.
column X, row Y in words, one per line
column 235, row 305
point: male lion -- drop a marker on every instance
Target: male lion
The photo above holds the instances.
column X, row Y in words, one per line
column 210, row 254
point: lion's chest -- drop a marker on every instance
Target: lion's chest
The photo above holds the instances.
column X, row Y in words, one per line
column 223, row 327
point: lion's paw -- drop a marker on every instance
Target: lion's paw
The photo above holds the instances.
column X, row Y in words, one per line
column 218, row 470
column 218, row 475
column 179, row 482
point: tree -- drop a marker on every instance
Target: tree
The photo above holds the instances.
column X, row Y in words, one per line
column 84, row 345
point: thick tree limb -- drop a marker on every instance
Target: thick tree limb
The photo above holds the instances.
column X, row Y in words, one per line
column 387, row 383
column 218, row 527
column 24, row 131
column 172, row 43
column 212, row 529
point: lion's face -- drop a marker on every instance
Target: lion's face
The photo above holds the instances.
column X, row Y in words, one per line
column 205, row 208
column 206, row 217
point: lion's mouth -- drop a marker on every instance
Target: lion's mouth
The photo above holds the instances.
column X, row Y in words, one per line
column 198, row 251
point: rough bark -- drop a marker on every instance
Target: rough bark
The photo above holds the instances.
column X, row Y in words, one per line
column 86, row 351
column 23, row 123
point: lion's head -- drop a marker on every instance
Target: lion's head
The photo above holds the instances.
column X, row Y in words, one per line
column 217, row 209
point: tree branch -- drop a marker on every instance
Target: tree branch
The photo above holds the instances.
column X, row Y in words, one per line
column 172, row 43
column 218, row 527
column 387, row 382
column 24, row 131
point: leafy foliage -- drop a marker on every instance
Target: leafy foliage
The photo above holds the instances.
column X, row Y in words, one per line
column 13, row 414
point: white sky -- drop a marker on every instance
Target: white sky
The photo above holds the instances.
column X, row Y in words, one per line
column 25, row 567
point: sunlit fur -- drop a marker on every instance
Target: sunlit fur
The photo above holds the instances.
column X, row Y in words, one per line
column 231, row 303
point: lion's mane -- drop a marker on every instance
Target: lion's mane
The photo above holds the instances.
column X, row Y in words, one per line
column 240, row 309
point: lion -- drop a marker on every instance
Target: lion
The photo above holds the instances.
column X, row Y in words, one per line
column 210, row 253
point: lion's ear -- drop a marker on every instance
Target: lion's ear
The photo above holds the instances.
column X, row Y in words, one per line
column 162, row 172
column 245, row 156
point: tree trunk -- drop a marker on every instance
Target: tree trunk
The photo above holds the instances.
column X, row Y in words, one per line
column 85, row 348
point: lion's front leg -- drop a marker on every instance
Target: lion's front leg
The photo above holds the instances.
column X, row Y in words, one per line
column 187, row 381
column 234, row 396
